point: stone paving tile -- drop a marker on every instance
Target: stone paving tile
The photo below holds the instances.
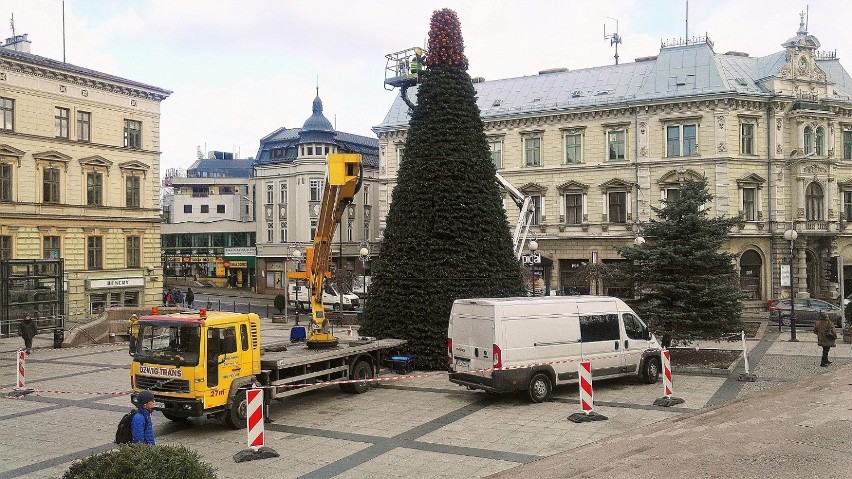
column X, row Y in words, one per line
column 409, row 463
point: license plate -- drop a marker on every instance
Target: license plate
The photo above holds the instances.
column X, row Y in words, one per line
column 462, row 365
column 159, row 405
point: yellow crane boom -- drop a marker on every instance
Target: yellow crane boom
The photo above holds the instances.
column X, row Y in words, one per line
column 341, row 185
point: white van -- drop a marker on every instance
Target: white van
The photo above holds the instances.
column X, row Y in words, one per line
column 532, row 344
column 330, row 298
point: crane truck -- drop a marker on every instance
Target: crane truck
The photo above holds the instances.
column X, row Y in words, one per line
column 201, row 362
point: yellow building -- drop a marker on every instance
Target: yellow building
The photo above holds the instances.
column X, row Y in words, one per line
column 79, row 177
column 596, row 148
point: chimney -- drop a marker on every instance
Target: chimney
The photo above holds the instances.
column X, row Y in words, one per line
column 19, row 43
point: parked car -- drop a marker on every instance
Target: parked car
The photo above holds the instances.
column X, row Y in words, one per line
column 807, row 311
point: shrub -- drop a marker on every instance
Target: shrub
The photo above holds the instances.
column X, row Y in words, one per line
column 280, row 303
column 142, row 461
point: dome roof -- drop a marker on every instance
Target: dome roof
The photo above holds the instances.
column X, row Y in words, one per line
column 317, row 121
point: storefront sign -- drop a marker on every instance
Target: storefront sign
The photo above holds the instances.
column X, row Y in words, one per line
column 241, row 251
column 236, row 264
column 116, row 283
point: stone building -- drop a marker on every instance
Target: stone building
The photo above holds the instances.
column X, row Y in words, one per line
column 79, row 177
column 596, row 148
column 290, row 171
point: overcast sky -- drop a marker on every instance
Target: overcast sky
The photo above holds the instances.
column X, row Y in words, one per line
column 240, row 69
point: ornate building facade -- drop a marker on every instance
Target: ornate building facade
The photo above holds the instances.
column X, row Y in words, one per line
column 79, row 177
column 596, row 148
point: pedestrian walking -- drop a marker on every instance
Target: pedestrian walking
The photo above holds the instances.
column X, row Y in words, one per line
column 170, row 299
column 27, row 328
column 826, row 336
column 142, row 427
column 190, row 297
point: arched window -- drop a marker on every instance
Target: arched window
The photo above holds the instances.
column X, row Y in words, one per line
column 820, row 141
column 809, row 140
column 751, row 266
column 814, row 200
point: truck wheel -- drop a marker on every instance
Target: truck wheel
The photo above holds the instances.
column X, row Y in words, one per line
column 651, row 370
column 235, row 418
column 540, row 387
column 361, row 370
column 174, row 417
column 336, row 307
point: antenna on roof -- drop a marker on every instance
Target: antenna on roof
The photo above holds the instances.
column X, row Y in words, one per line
column 687, row 19
column 614, row 39
column 12, row 23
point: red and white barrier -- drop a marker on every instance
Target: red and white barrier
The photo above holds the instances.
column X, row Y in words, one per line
column 747, row 375
column 587, row 397
column 22, row 381
column 667, row 400
column 254, row 417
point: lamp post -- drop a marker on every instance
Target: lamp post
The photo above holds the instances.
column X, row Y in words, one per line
column 791, row 235
column 364, row 256
column 533, row 249
column 297, row 256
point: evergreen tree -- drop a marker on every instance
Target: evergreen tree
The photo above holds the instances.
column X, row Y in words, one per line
column 447, row 235
column 687, row 288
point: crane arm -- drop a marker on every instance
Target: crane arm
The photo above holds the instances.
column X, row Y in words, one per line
column 341, row 185
column 525, row 215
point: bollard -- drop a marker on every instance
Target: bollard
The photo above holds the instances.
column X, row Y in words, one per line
column 20, row 388
column 746, row 376
column 254, row 421
column 584, row 370
column 668, row 400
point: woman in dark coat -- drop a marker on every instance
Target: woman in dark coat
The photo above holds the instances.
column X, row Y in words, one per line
column 822, row 327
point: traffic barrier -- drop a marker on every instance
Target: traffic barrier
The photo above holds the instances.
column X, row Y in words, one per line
column 20, row 388
column 747, row 375
column 587, row 397
column 254, row 422
column 668, row 400
column 349, row 332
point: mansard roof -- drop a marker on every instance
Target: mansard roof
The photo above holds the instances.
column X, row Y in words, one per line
column 289, row 138
column 677, row 73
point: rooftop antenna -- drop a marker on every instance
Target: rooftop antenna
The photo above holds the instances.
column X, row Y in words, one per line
column 614, row 39
column 12, row 22
column 687, row 20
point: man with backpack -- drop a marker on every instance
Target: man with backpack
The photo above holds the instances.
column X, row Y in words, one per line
column 141, row 426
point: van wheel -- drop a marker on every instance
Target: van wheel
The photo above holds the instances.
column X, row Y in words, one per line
column 336, row 307
column 651, row 370
column 235, row 417
column 362, row 370
column 540, row 387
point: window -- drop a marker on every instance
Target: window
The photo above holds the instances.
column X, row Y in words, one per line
column 205, row 208
column 244, row 339
column 132, row 134
column 7, row 114
column 496, row 147
column 749, row 207
column 672, row 194
column 270, row 194
column 814, row 202
column 283, row 193
column 61, row 122
column 310, row 150
column 573, row 208
column 317, row 187
column 573, row 148
column 94, row 252
column 366, row 230
column 220, row 209
column 5, row 247
column 847, row 145
column 532, row 151
column 617, row 202
column 84, row 126
column 187, row 208
column 599, row 327
column 270, row 231
column 50, row 185
column 634, row 327
column 808, row 140
column 847, row 205
column 5, row 182
column 349, row 230
column 278, row 152
column 50, row 247
column 681, row 140
column 819, row 141
column 134, row 251
column 284, row 231
column 313, row 229
column 536, row 204
column 400, row 155
column 366, row 194
column 616, row 141
column 747, row 138
column 132, row 192
column 200, row 191
column 94, row 189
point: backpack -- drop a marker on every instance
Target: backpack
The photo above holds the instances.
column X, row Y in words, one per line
column 124, row 433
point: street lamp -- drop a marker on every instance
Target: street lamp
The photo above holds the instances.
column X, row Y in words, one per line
column 364, row 256
column 297, row 255
column 791, row 235
column 533, row 249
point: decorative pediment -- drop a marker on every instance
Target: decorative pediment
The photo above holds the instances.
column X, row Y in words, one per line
column 96, row 160
column 751, row 180
column 134, row 165
column 673, row 177
column 845, row 184
column 51, row 156
column 616, row 184
column 6, row 150
column 572, row 185
column 533, row 188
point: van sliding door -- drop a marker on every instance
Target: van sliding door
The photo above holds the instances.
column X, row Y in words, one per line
column 600, row 337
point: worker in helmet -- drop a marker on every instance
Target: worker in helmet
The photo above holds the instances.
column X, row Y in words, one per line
column 417, row 61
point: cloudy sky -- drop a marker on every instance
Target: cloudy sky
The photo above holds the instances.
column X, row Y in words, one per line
column 240, row 69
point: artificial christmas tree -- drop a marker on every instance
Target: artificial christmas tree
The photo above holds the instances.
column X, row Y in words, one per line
column 446, row 235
